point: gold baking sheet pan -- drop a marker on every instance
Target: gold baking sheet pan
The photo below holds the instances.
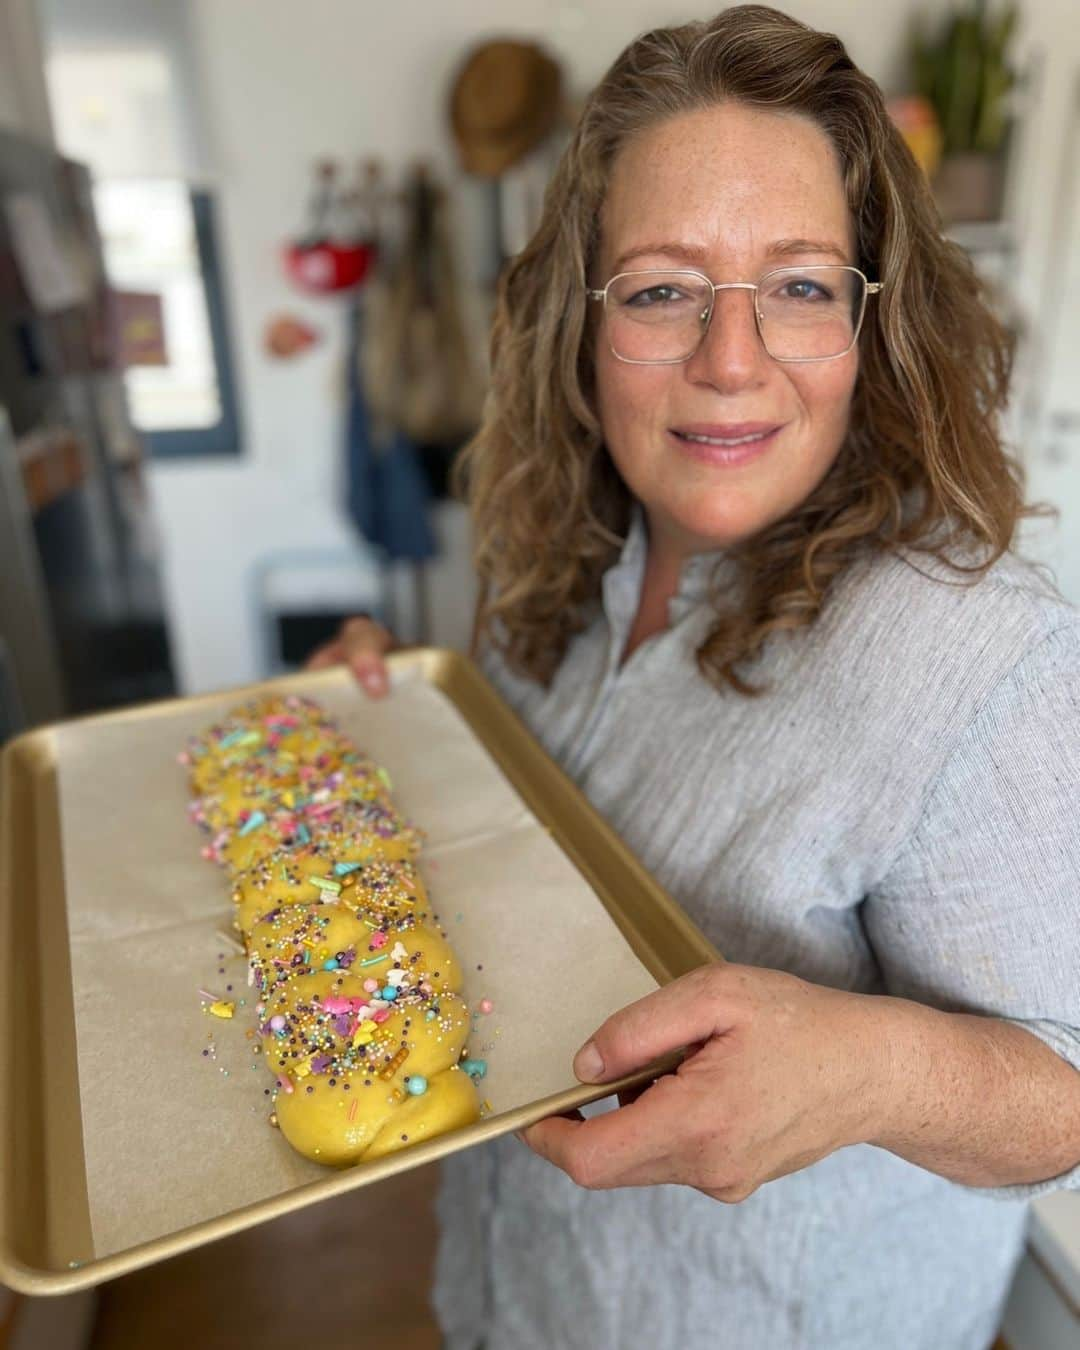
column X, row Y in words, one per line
column 121, row 1143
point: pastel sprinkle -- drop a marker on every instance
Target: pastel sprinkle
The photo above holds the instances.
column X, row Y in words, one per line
column 475, row 1068
column 223, row 1008
column 374, row 960
column 325, row 884
column 253, row 822
column 344, row 868
column 417, row 1084
column 486, row 1005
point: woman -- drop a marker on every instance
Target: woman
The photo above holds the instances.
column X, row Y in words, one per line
column 743, row 520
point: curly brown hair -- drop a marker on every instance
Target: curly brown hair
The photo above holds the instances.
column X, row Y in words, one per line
column 923, row 450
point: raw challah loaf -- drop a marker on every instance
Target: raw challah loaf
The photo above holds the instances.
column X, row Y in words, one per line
column 359, row 995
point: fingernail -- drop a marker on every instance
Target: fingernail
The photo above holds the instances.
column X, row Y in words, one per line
column 588, row 1063
column 373, row 682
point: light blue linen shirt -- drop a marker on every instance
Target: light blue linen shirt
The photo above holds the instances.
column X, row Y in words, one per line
column 900, row 815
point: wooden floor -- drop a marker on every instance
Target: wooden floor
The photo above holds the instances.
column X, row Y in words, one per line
column 348, row 1274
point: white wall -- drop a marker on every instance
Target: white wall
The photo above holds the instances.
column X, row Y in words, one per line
column 1047, row 211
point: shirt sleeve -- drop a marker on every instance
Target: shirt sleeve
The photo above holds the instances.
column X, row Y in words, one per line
column 980, row 911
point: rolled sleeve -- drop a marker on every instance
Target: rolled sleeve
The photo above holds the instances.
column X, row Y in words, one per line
column 980, row 911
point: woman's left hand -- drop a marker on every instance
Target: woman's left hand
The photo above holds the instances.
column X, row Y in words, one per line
column 780, row 1073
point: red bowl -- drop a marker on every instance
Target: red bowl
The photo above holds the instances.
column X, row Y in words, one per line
column 323, row 269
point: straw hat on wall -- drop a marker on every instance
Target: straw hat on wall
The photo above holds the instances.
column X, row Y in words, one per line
column 505, row 100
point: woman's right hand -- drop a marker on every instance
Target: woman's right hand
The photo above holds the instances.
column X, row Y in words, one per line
column 361, row 645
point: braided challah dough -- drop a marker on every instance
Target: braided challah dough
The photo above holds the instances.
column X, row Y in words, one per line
column 361, row 1015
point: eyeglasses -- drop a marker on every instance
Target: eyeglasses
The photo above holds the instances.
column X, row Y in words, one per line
column 656, row 317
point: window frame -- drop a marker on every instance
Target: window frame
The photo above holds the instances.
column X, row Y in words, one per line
column 223, row 438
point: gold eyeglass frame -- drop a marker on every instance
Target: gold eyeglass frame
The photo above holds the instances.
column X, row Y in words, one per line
column 869, row 288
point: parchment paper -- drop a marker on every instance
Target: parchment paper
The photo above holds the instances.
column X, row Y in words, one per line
column 174, row 1137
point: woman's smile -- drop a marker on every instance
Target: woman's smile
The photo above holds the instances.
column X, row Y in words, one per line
column 725, row 446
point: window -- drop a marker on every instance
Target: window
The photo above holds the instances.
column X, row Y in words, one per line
column 160, row 251
column 119, row 108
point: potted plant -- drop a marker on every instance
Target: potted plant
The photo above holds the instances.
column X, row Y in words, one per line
column 963, row 69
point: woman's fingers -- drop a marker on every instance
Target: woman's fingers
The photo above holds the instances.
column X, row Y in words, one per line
column 361, row 645
column 370, row 669
column 365, row 642
column 368, row 632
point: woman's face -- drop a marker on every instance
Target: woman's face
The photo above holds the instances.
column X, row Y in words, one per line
column 729, row 191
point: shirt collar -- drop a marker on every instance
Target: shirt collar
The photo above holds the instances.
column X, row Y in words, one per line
column 623, row 581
